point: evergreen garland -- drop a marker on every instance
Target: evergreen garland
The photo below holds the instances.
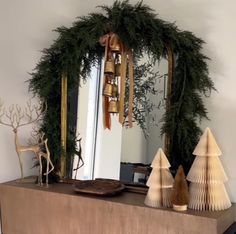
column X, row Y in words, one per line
column 77, row 49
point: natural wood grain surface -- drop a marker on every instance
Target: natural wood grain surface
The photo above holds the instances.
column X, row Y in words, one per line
column 28, row 209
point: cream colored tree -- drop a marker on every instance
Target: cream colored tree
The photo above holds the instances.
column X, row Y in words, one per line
column 207, row 176
column 160, row 182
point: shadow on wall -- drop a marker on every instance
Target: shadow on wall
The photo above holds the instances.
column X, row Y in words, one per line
column 222, row 123
column 200, row 17
column 213, row 21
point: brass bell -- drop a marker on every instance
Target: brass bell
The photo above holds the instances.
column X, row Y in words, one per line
column 117, row 69
column 115, row 43
column 113, row 107
column 114, row 90
column 107, row 91
column 116, row 48
column 109, row 67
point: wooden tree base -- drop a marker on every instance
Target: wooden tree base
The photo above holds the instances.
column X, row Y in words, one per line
column 180, row 208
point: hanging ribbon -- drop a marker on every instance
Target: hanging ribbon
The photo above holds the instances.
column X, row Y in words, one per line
column 110, row 41
column 131, row 88
column 170, row 57
column 123, row 68
column 104, row 41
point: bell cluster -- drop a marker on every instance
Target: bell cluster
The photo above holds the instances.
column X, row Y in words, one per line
column 112, row 73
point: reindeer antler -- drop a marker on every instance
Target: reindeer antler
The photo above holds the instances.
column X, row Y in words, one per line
column 15, row 114
column 9, row 115
column 38, row 110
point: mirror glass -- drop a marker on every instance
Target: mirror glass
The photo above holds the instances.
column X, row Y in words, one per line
column 119, row 153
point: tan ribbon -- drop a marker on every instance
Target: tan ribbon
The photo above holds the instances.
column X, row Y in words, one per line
column 114, row 40
column 123, row 68
column 104, row 41
column 170, row 57
column 131, row 88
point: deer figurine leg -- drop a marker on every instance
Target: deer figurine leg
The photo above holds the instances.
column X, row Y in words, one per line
column 49, row 162
column 40, row 180
column 47, row 173
column 21, row 166
column 52, row 167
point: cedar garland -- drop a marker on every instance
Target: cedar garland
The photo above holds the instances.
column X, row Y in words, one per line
column 77, row 48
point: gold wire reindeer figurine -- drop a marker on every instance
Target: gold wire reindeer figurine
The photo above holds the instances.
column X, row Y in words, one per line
column 45, row 155
column 15, row 117
column 80, row 161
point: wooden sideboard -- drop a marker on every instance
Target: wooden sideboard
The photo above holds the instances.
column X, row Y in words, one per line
column 28, row 209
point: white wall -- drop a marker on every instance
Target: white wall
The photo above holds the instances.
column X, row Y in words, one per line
column 26, row 28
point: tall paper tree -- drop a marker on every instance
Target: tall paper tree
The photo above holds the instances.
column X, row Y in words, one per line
column 159, row 182
column 207, row 176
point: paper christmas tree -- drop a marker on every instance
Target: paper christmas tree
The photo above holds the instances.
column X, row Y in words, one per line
column 207, row 176
column 159, row 182
column 179, row 195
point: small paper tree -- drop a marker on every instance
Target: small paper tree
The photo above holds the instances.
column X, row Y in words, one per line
column 159, row 182
column 180, row 196
column 207, row 176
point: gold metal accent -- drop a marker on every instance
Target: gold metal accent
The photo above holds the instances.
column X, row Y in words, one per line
column 108, row 90
column 116, row 48
column 45, row 155
column 117, row 69
column 109, row 67
column 63, row 123
column 170, row 57
column 115, row 43
column 113, row 107
column 114, row 91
